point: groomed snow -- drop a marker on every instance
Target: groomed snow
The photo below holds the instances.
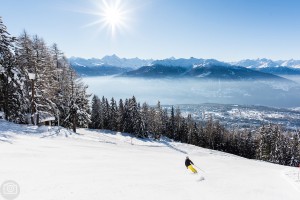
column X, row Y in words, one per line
column 104, row 165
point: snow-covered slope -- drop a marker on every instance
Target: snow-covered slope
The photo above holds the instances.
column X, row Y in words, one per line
column 257, row 64
column 290, row 63
column 188, row 63
column 104, row 165
column 265, row 63
column 287, row 67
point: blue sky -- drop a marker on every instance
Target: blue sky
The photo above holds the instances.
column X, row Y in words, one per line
column 227, row 30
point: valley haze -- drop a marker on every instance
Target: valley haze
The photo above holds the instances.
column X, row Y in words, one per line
column 193, row 81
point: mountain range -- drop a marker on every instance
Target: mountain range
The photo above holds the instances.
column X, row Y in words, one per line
column 192, row 67
column 281, row 67
column 113, row 60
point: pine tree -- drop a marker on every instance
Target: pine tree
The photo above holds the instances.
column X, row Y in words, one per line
column 171, row 124
column 145, row 118
column 60, row 68
column 64, row 93
column 121, row 116
column 249, row 145
column 219, row 136
column 95, row 113
column 135, row 118
column 178, row 124
column 165, row 121
column 209, row 133
column 295, row 150
column 45, row 84
column 83, row 107
column 77, row 105
column 265, row 143
column 201, row 135
column 190, row 125
column 127, row 127
column 113, row 115
column 151, row 121
column 275, row 144
column 11, row 80
column 25, row 60
column 158, row 121
column 183, row 131
column 194, row 138
column 106, row 113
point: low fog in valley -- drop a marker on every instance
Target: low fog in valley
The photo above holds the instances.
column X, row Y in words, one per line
column 195, row 91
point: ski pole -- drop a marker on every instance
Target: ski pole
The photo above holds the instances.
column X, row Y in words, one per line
column 199, row 168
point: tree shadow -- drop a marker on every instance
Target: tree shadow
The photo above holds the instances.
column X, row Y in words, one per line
column 164, row 143
column 5, row 138
column 172, row 147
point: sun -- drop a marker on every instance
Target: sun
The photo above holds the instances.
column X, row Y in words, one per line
column 113, row 15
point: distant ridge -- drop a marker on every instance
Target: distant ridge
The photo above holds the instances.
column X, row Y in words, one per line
column 206, row 71
column 209, row 68
column 113, row 60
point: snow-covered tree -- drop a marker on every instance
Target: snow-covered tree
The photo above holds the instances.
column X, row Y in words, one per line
column 121, row 116
column 113, row 115
column 295, row 150
column 25, row 60
column 171, row 124
column 145, row 117
column 135, row 117
column 79, row 105
column 11, row 79
column 263, row 150
column 276, row 142
column 74, row 110
column 193, row 132
column 95, row 113
column 178, row 123
column 45, row 85
column 158, row 120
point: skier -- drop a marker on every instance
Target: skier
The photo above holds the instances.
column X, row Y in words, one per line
column 189, row 165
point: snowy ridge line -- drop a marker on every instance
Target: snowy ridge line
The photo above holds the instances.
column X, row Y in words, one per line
column 291, row 176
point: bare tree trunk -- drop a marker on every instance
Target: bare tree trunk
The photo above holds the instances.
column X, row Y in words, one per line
column 32, row 102
column 74, row 123
column 6, row 111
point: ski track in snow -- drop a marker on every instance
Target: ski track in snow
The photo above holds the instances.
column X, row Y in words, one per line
column 292, row 175
column 99, row 164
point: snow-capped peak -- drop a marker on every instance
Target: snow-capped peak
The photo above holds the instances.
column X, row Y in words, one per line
column 112, row 60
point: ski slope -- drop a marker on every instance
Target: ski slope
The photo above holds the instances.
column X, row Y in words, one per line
column 105, row 165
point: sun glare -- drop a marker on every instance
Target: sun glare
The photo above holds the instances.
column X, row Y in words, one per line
column 113, row 16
